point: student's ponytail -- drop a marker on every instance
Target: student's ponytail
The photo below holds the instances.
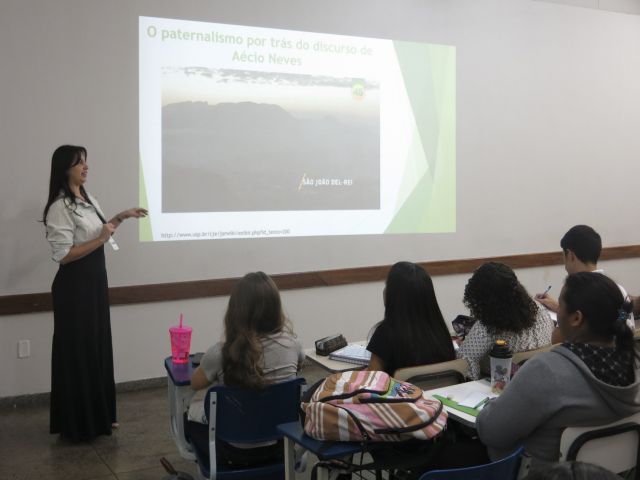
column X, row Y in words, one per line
column 624, row 335
column 603, row 306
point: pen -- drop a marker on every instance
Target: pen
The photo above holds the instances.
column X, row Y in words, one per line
column 543, row 294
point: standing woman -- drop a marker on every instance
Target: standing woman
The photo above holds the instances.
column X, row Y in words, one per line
column 83, row 400
column 413, row 331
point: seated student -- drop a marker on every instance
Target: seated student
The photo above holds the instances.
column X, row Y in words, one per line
column 581, row 247
column 259, row 348
column 504, row 310
column 590, row 379
column 413, row 331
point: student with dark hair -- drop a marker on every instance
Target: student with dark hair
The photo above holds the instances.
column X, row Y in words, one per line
column 413, row 331
column 581, row 248
column 504, row 310
column 572, row 471
column 582, row 244
column 591, row 379
column 83, row 396
column 258, row 349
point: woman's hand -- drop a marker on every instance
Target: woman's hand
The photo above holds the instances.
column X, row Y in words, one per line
column 135, row 212
column 79, row 251
column 107, row 231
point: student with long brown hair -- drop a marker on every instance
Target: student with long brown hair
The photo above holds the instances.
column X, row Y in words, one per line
column 258, row 349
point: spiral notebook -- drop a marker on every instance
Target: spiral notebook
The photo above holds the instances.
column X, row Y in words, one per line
column 353, row 353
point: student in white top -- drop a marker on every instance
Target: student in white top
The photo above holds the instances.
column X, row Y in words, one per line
column 581, row 247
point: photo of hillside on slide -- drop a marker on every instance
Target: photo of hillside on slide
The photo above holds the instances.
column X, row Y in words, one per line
column 240, row 140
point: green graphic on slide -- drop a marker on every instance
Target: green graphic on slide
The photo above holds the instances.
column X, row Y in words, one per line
column 427, row 198
column 145, row 232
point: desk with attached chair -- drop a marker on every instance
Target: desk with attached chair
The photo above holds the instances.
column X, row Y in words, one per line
column 180, row 394
column 324, row 451
column 236, row 416
column 451, row 394
column 333, row 366
column 614, row 446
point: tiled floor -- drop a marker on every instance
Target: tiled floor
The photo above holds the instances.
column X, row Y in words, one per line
column 133, row 452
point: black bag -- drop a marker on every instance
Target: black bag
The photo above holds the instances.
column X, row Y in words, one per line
column 329, row 344
column 462, row 324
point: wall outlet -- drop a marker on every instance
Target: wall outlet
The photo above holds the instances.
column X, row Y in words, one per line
column 24, row 348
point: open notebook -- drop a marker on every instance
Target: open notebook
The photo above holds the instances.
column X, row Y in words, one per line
column 353, row 353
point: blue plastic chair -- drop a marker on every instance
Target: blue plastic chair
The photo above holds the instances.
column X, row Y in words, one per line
column 504, row 469
column 238, row 415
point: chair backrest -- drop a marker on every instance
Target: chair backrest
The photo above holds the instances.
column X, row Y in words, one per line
column 615, row 446
column 503, row 469
column 522, row 356
column 251, row 416
column 435, row 375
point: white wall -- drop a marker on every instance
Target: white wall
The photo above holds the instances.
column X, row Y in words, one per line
column 141, row 339
column 548, row 104
column 548, row 108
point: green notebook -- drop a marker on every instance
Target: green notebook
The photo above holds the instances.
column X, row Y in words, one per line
column 453, row 404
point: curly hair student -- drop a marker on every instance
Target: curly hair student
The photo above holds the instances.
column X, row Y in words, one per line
column 503, row 309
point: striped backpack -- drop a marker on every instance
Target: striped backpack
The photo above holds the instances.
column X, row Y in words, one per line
column 371, row 406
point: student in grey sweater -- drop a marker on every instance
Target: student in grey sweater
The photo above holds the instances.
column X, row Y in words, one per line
column 590, row 379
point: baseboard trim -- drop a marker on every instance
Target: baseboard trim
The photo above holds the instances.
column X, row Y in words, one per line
column 39, row 399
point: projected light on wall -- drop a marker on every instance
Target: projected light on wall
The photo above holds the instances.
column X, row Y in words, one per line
column 255, row 132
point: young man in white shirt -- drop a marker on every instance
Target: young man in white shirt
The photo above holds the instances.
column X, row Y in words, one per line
column 581, row 247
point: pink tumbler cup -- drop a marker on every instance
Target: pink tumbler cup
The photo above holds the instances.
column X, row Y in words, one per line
column 180, row 343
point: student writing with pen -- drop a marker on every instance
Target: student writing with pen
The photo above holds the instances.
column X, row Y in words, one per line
column 581, row 247
column 544, row 294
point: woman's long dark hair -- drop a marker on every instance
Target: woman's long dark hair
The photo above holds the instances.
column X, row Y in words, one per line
column 420, row 335
column 495, row 297
column 254, row 310
column 64, row 157
column 602, row 305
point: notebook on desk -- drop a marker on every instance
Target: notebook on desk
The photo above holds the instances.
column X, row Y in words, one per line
column 356, row 354
column 471, row 403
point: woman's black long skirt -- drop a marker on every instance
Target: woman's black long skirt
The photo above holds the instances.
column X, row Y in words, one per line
column 83, row 398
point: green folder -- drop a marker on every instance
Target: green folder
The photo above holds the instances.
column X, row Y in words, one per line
column 453, row 404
